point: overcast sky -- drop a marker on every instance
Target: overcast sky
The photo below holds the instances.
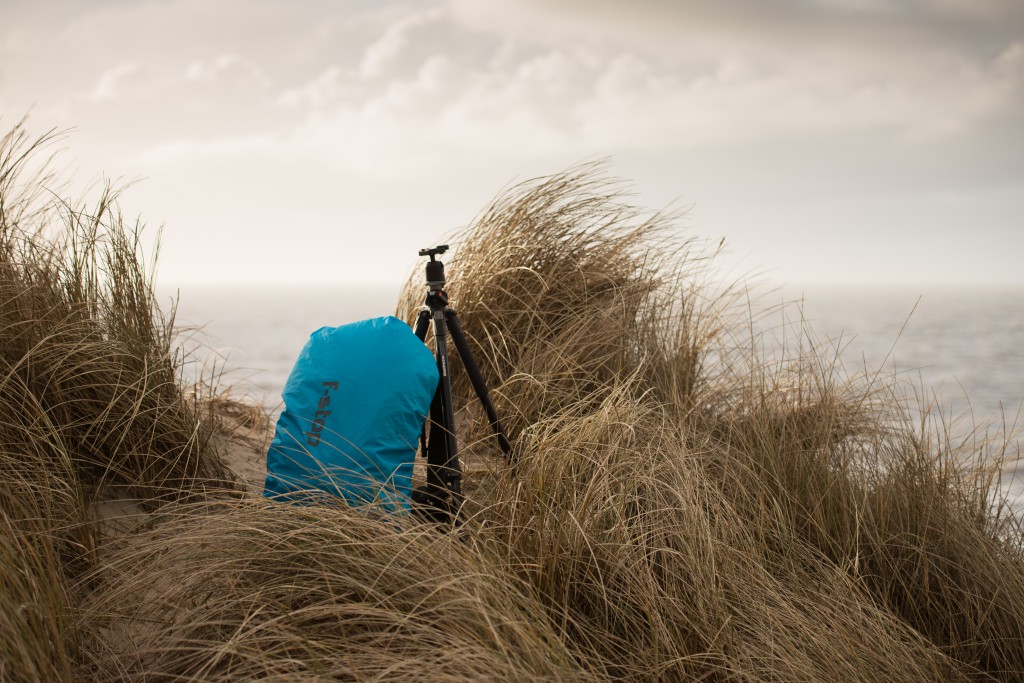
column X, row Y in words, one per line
column 325, row 140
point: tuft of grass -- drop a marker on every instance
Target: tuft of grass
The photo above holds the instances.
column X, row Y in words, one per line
column 564, row 288
column 86, row 352
column 253, row 589
column 89, row 400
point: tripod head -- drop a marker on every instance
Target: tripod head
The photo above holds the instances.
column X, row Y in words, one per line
column 435, row 269
column 434, row 251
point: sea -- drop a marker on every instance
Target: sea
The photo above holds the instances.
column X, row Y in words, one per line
column 960, row 351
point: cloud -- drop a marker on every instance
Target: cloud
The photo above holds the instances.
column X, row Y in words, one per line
column 912, row 71
column 795, row 25
column 412, row 100
column 227, row 67
column 603, row 77
column 112, row 82
column 400, row 90
column 383, row 52
column 341, row 105
column 322, row 90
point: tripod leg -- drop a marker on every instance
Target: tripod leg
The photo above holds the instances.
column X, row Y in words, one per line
column 436, row 450
column 440, row 499
column 422, row 321
column 450, row 468
column 477, row 380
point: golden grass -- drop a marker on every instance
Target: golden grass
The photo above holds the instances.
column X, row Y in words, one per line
column 564, row 289
column 89, row 402
column 690, row 501
column 262, row 590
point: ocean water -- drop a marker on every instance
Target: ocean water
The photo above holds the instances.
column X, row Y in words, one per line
column 250, row 337
column 962, row 350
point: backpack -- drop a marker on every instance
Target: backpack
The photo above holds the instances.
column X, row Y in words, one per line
column 354, row 406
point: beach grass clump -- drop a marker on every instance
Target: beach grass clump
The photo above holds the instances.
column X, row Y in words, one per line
column 645, row 563
column 564, row 288
column 37, row 638
column 86, row 352
column 905, row 508
column 90, row 405
column 690, row 500
column 251, row 589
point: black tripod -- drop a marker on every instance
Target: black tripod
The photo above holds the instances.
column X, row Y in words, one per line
column 440, row 499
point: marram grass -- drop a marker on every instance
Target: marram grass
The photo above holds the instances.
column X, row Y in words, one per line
column 689, row 503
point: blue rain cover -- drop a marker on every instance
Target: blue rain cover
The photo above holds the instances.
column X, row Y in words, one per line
column 353, row 407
